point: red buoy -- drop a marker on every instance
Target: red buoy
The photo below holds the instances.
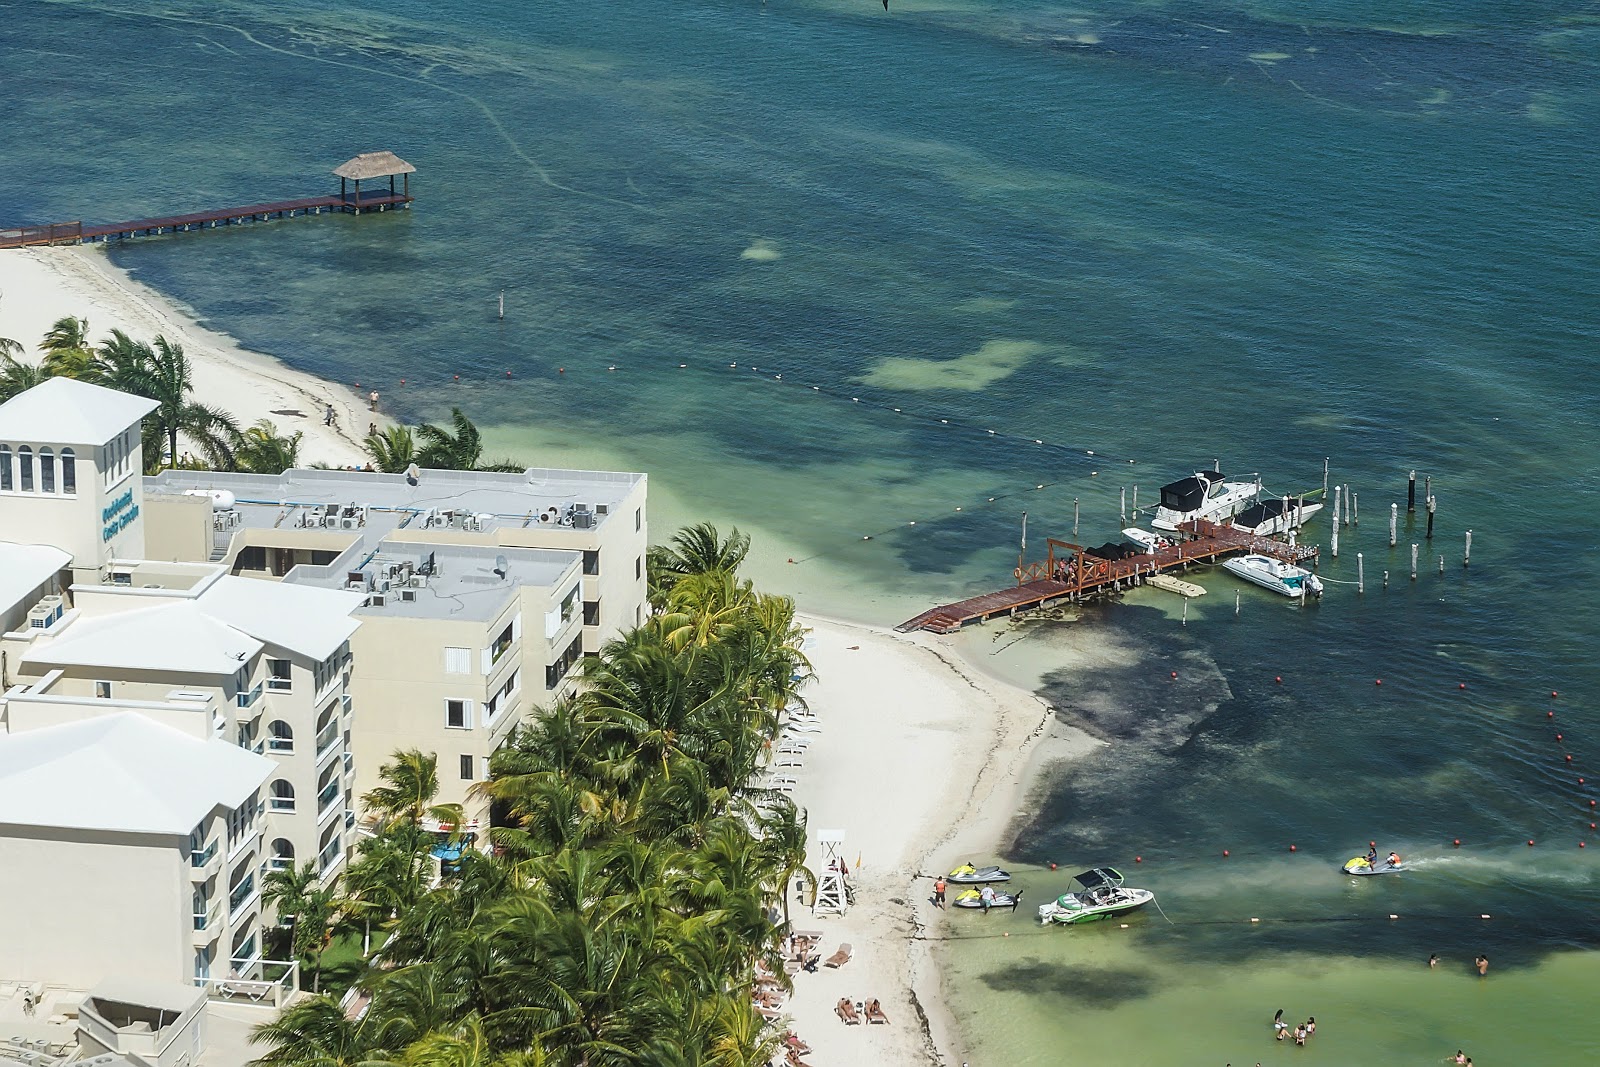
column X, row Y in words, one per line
column 1549, row 714
column 1052, row 866
column 1224, row 853
column 1293, row 849
column 1569, row 757
column 1377, row 681
column 1458, row 842
column 1138, row 859
column 1530, row 842
column 1372, row 844
column 1591, row 803
column 1462, row 685
column 1553, row 695
column 508, row 374
column 1279, row 679
column 458, row 377
column 1558, row 737
column 1174, row 674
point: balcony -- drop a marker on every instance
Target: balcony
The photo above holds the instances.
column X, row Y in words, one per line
column 327, row 797
column 203, row 863
column 207, row 924
column 248, row 704
column 329, row 856
column 349, row 763
column 242, row 895
column 280, row 685
column 268, row 983
column 327, row 738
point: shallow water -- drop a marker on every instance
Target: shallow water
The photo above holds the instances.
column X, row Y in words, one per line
column 735, row 238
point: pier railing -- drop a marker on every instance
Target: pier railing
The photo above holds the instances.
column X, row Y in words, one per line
column 54, row 233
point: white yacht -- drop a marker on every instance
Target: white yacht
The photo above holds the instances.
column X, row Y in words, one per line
column 1275, row 574
column 1275, row 515
column 1204, row 495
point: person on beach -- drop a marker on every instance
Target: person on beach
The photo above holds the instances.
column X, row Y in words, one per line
column 327, row 416
column 372, row 429
column 1433, row 961
column 938, row 892
column 372, row 398
column 1311, row 1025
column 1300, row 1035
column 1278, row 1024
column 1482, row 963
column 1461, row 1057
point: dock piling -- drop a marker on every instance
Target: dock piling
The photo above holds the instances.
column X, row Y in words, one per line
column 1466, row 557
column 1353, row 517
column 1122, row 507
column 1413, row 562
column 1394, row 524
column 1411, row 493
column 1361, row 574
column 1431, row 504
column 1074, row 516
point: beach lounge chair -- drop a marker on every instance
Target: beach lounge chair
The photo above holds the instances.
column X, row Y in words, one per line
column 875, row 1012
column 840, row 958
column 846, row 1010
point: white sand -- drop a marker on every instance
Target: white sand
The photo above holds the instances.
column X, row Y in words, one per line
column 40, row 285
column 913, row 741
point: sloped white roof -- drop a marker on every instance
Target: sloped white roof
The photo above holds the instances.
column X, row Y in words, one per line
column 71, row 412
column 24, row 568
column 179, row 638
column 301, row 618
column 122, row 772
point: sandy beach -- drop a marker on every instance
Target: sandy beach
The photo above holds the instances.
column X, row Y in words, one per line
column 921, row 761
column 40, row 285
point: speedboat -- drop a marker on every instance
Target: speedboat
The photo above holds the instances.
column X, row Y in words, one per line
column 1146, row 540
column 967, row 874
column 1275, row 516
column 1362, row 867
column 974, row 898
column 1101, row 893
column 1204, row 495
column 1274, row 574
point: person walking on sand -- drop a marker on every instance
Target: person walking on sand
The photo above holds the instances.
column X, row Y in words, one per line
column 938, row 892
column 327, row 416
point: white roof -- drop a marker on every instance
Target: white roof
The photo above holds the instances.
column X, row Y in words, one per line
column 70, row 411
column 24, row 568
column 179, row 638
column 301, row 618
column 122, row 772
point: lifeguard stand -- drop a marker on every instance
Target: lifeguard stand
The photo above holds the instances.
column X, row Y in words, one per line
column 833, row 888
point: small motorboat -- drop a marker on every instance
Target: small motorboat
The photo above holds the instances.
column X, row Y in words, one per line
column 1147, row 540
column 967, row 874
column 988, row 899
column 1275, row 515
column 1362, row 867
column 1101, row 894
column 1205, row 495
column 1274, row 574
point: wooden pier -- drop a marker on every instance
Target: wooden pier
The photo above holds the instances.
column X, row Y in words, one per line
column 1072, row 572
column 362, row 168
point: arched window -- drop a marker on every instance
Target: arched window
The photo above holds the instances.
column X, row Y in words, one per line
column 280, row 736
column 6, row 483
column 47, row 471
column 282, row 798
column 69, row 472
column 282, row 854
column 25, row 472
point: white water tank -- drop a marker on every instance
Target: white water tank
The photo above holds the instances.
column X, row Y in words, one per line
column 221, row 499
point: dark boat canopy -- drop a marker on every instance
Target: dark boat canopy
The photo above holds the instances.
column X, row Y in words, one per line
column 1265, row 511
column 1187, row 494
column 1098, row 877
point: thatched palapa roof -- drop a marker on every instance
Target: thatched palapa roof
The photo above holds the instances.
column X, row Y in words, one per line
column 373, row 165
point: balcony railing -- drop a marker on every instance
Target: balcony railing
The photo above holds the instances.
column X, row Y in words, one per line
column 269, row 983
column 241, row 893
column 201, row 857
column 280, row 744
column 327, row 736
column 280, row 803
column 246, row 700
column 328, row 795
column 204, row 918
column 280, row 685
column 329, row 855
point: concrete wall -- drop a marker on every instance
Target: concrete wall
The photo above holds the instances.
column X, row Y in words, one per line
column 75, row 907
column 177, row 527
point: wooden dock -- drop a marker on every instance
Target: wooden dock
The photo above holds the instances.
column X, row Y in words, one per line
column 1072, row 572
column 366, row 167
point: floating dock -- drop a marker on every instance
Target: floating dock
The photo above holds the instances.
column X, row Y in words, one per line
column 1072, row 572
column 364, row 167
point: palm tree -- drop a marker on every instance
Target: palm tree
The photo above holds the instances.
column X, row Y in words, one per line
column 410, row 781
column 697, row 549
column 259, row 449
column 167, row 378
column 314, row 1032
column 384, row 880
column 17, row 377
column 309, row 906
column 67, row 350
column 392, row 450
column 458, row 449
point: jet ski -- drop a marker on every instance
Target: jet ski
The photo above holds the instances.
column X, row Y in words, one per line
column 1360, row 865
column 967, row 874
column 973, row 898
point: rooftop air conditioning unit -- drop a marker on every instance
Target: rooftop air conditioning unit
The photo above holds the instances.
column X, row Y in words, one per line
column 408, row 596
column 583, row 520
column 376, row 600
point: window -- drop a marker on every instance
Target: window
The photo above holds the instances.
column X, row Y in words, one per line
column 500, row 645
column 282, row 854
column 102, row 690
column 280, row 737
column 5, row 469
column 69, row 472
column 457, row 661
column 282, row 798
column 591, row 613
column 47, row 471
column 279, row 679
column 328, row 787
column 458, row 714
column 25, row 469
column 638, row 568
column 466, row 768
column 638, row 518
column 591, row 561
column 558, row 670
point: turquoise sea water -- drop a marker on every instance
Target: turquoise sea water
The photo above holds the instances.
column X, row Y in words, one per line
column 1255, row 231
